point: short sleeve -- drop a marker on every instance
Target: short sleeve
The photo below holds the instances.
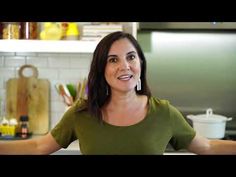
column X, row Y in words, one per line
column 183, row 133
column 64, row 131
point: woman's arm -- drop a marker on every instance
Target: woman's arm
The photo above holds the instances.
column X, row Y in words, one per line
column 202, row 145
column 41, row 145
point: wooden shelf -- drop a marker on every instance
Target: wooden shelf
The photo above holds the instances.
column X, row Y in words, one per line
column 47, row 46
column 60, row 46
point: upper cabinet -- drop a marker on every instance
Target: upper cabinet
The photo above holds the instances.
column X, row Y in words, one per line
column 59, row 46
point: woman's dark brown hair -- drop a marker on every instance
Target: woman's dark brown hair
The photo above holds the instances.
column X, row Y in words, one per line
column 97, row 85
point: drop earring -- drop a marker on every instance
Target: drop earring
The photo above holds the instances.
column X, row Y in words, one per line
column 107, row 90
column 139, row 85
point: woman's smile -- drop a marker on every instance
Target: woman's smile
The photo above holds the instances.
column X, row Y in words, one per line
column 125, row 77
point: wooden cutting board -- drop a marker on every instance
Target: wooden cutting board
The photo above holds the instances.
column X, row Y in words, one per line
column 29, row 96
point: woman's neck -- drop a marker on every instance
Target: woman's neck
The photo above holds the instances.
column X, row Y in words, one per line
column 126, row 109
column 123, row 100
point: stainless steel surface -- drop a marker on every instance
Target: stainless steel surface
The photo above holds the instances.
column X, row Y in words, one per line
column 193, row 70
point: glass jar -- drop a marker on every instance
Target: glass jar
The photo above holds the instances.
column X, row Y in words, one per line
column 11, row 30
column 29, row 30
column 24, row 126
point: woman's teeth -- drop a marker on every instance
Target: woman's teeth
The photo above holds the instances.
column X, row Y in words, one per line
column 125, row 77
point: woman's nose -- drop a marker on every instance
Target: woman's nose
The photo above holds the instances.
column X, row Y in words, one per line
column 124, row 65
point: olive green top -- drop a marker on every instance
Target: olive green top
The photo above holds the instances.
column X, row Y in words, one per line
column 163, row 124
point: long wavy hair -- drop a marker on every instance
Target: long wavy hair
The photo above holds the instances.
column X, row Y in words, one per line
column 97, row 85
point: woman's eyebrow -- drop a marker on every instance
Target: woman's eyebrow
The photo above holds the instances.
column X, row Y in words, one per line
column 131, row 52
column 111, row 56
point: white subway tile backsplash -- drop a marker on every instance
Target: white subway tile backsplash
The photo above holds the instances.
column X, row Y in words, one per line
column 25, row 54
column 84, row 73
column 8, row 72
column 55, row 118
column 1, row 61
column 14, row 61
column 68, row 55
column 7, row 54
column 85, row 55
column 48, row 54
column 69, row 73
column 1, row 83
column 58, row 106
column 3, row 93
column 54, row 95
column 2, row 98
column 79, row 62
column 37, row 61
column 48, row 73
column 58, row 62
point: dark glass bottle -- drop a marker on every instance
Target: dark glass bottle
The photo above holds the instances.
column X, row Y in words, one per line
column 24, row 126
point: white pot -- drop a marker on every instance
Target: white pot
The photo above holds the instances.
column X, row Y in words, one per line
column 209, row 125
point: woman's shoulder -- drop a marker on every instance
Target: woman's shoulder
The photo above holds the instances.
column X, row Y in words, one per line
column 159, row 102
column 163, row 104
column 78, row 106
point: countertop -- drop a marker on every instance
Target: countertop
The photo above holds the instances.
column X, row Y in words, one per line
column 73, row 149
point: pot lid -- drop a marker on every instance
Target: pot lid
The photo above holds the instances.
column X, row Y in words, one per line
column 208, row 117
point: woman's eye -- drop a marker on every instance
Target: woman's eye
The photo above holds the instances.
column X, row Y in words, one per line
column 131, row 57
column 112, row 60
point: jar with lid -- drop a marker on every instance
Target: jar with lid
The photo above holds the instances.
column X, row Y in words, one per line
column 11, row 30
column 24, row 126
column 29, row 30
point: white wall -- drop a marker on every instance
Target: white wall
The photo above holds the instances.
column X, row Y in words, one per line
column 66, row 68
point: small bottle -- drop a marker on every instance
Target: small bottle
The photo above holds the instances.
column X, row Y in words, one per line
column 24, row 126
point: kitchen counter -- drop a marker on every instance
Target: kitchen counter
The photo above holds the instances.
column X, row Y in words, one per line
column 73, row 149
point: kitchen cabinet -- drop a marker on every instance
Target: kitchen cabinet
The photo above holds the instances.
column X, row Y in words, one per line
column 60, row 46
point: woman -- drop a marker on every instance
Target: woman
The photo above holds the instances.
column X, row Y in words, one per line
column 120, row 115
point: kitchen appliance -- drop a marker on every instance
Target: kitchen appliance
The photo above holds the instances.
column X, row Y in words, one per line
column 29, row 96
column 209, row 125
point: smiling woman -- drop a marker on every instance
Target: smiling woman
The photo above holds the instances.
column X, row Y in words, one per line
column 120, row 115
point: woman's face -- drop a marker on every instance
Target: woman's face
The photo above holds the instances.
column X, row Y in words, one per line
column 123, row 67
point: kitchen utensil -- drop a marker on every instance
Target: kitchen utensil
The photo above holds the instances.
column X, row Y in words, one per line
column 209, row 125
column 64, row 92
column 72, row 90
column 29, row 96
